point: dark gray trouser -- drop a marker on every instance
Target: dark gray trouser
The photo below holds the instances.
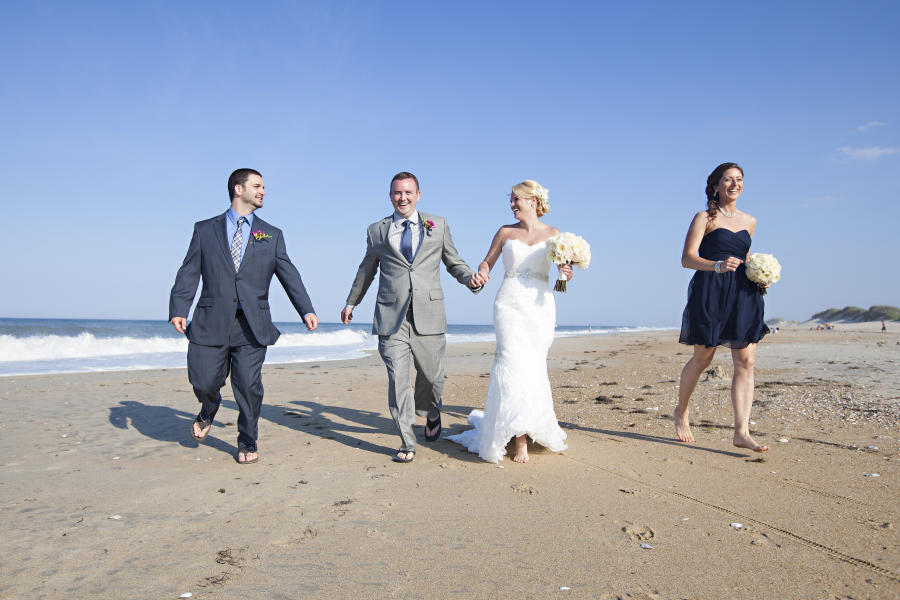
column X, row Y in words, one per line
column 400, row 352
column 243, row 357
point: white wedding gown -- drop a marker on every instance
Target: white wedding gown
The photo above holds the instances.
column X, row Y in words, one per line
column 518, row 398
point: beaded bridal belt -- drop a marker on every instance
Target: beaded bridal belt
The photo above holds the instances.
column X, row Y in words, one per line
column 527, row 275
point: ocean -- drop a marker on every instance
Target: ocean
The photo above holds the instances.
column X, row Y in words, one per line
column 41, row 346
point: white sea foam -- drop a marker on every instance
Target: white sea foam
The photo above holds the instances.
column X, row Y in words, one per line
column 86, row 345
column 87, row 352
column 609, row 330
column 55, row 347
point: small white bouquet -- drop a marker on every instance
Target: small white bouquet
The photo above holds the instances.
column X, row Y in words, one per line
column 568, row 248
column 763, row 270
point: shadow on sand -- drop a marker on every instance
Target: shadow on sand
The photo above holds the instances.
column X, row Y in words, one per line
column 643, row 437
column 166, row 424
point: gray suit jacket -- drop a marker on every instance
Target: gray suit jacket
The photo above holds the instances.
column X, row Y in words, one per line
column 402, row 283
column 209, row 257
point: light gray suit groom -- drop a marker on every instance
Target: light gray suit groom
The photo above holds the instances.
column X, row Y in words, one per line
column 408, row 248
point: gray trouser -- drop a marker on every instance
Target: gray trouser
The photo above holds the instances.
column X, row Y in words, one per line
column 400, row 352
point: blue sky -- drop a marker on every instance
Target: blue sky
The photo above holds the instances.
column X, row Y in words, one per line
column 122, row 122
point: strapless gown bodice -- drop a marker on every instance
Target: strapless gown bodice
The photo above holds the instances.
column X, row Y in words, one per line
column 721, row 243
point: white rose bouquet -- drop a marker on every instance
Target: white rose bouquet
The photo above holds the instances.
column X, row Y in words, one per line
column 764, row 270
column 568, row 248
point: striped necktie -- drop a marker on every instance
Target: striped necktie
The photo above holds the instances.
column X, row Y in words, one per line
column 236, row 242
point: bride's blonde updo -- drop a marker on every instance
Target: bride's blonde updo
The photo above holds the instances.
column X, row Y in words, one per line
column 532, row 189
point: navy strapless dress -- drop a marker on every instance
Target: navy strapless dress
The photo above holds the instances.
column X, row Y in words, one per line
column 723, row 309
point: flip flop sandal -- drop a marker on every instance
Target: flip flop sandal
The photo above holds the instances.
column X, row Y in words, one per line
column 244, row 453
column 431, row 425
column 203, row 425
column 409, row 457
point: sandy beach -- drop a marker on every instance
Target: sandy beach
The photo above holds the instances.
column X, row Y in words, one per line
column 105, row 495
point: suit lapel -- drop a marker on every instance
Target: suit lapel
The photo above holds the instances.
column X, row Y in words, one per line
column 258, row 225
column 422, row 237
column 248, row 251
column 222, row 234
column 385, row 235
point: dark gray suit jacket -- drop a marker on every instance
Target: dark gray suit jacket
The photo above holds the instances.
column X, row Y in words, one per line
column 209, row 257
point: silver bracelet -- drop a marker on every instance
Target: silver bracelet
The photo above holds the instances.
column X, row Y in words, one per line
column 718, row 266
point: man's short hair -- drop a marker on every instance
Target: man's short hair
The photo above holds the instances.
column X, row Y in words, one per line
column 405, row 175
column 239, row 177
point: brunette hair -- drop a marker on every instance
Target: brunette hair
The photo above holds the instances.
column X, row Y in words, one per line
column 239, row 177
column 712, row 196
column 405, row 175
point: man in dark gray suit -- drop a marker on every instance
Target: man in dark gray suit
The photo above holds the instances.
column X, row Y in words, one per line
column 235, row 254
column 407, row 249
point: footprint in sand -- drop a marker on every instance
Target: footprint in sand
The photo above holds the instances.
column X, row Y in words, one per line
column 227, row 557
column 640, row 533
column 523, row 488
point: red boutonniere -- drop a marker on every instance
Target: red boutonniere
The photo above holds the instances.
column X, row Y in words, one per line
column 429, row 225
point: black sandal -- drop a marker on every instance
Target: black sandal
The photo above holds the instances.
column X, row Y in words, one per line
column 431, row 425
column 203, row 425
column 243, row 454
column 410, row 455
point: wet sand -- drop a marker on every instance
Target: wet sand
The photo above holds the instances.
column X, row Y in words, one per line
column 105, row 495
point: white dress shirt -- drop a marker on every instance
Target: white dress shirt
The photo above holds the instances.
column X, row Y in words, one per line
column 396, row 231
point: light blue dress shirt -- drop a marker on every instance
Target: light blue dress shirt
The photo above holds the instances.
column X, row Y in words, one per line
column 231, row 224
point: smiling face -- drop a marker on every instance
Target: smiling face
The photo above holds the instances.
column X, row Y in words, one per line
column 249, row 195
column 404, row 196
column 521, row 207
column 730, row 186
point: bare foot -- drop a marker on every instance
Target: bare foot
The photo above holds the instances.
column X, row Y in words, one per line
column 683, row 427
column 521, row 449
column 745, row 441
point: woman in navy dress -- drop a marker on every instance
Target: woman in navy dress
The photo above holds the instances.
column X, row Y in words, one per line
column 724, row 308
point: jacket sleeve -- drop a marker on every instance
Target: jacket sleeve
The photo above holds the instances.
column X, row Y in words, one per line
column 290, row 279
column 186, row 280
column 368, row 268
column 456, row 266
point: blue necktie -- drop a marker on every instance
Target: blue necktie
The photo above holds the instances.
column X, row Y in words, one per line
column 406, row 241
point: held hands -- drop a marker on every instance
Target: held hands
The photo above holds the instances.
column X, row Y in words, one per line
column 729, row 264
column 478, row 279
column 347, row 315
column 311, row 321
column 566, row 270
column 179, row 323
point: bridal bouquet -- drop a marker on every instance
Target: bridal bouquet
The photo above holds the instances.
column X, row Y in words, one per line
column 568, row 248
column 764, row 270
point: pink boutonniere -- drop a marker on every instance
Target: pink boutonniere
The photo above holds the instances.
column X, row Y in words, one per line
column 429, row 225
column 259, row 235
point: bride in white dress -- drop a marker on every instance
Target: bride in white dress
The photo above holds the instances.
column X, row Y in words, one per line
column 519, row 402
